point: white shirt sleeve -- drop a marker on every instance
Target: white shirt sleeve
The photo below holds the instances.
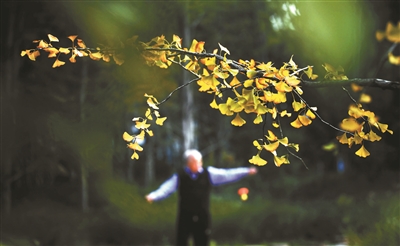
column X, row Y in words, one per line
column 219, row 176
column 165, row 189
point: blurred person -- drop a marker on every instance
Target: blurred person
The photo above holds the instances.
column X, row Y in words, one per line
column 193, row 183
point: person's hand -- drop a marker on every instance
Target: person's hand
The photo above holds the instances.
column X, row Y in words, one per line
column 252, row 170
column 149, row 199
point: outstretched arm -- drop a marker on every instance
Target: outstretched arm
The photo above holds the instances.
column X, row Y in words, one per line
column 166, row 189
column 220, row 176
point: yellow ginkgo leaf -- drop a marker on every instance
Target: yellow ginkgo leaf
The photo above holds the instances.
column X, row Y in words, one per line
column 380, row 35
column 33, row 54
column 160, row 121
column 298, row 105
column 350, row 124
column 294, row 146
column 95, row 56
column 210, row 61
column 224, row 49
column 280, row 97
column 296, row 123
column 372, row 136
column 358, row 139
column 248, row 83
column 251, row 73
column 140, row 136
column 234, row 82
column 42, row 44
column 292, row 80
column 72, row 58
column 285, row 113
column 275, row 124
column 342, row 139
column 258, row 119
column 135, row 146
column 142, row 125
column 127, row 137
column 58, row 63
column 310, row 74
column 271, row 136
column 214, row 104
column 52, row 52
column 257, row 144
column 238, row 121
column 52, row 38
column 257, row 160
column 64, row 50
column 148, row 114
column 151, row 103
column 283, row 87
column 355, row 111
column 135, row 156
column 299, row 90
column 225, row 109
column 395, row 60
column 72, row 37
column 149, row 132
column 261, row 109
column 261, row 83
column 268, row 96
column 393, row 32
column 81, row 43
column 362, row 152
column 274, row 112
column 384, row 128
column 310, row 114
column 279, row 160
column 304, row 120
column 355, row 87
column 284, row 141
column 365, row 98
column 271, row 147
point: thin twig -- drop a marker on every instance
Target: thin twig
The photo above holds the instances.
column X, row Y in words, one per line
column 177, row 89
column 319, row 117
column 298, row 157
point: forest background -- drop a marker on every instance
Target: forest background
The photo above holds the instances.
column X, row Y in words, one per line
column 67, row 176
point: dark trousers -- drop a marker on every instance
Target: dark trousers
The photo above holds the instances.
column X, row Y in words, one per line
column 195, row 225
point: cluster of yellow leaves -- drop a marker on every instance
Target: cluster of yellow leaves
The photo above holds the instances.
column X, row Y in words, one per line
column 255, row 88
column 359, row 127
column 392, row 34
column 78, row 49
column 271, row 145
column 142, row 124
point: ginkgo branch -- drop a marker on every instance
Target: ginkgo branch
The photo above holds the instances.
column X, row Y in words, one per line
column 298, row 157
column 372, row 82
column 319, row 117
column 177, row 89
column 265, row 85
column 232, row 63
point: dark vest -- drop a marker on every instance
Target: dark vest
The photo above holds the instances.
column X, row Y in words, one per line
column 194, row 195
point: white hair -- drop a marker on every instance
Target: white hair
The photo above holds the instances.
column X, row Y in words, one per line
column 192, row 152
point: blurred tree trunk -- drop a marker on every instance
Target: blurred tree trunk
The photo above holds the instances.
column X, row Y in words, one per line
column 12, row 22
column 84, row 173
column 188, row 126
column 149, row 167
